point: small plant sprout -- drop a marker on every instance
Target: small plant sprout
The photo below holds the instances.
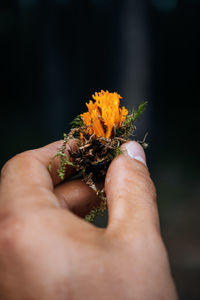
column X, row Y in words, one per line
column 99, row 134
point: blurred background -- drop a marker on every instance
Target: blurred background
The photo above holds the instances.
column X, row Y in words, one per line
column 56, row 53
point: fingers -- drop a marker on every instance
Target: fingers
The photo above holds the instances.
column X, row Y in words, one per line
column 130, row 192
column 26, row 178
column 76, row 196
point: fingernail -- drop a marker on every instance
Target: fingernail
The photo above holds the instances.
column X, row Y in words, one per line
column 135, row 151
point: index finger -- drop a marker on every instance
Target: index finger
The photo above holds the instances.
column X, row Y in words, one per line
column 27, row 176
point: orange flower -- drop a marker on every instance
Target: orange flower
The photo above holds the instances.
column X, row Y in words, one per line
column 103, row 114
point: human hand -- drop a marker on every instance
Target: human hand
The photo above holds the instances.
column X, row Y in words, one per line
column 48, row 252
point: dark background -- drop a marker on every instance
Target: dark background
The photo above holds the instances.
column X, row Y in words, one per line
column 55, row 54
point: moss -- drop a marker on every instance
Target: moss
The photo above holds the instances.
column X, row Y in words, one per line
column 94, row 154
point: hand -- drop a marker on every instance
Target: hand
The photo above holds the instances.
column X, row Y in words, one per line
column 47, row 252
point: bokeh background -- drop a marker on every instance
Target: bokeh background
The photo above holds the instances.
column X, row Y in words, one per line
column 56, row 53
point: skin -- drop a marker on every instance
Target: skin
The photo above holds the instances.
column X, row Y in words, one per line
column 47, row 251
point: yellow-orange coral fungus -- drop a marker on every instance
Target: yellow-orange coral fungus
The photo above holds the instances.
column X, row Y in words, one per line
column 103, row 114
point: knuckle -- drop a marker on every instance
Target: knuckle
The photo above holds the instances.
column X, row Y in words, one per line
column 17, row 230
column 11, row 231
column 5, row 167
column 14, row 161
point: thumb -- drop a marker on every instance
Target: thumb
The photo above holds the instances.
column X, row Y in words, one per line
column 130, row 192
